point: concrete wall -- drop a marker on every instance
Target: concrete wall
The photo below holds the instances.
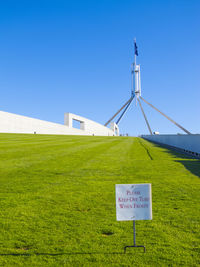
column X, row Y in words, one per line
column 188, row 143
column 12, row 123
column 88, row 126
column 114, row 127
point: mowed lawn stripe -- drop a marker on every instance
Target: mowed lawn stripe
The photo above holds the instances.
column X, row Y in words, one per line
column 57, row 200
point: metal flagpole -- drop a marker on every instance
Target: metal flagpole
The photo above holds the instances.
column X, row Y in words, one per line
column 136, row 52
column 178, row 125
column 136, row 73
column 132, row 80
column 134, row 64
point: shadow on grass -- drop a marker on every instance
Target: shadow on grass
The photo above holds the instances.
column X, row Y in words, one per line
column 147, row 150
column 192, row 164
column 60, row 254
column 178, row 153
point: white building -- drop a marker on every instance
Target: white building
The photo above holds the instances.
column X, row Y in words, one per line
column 12, row 123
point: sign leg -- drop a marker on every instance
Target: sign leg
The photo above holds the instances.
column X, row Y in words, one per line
column 134, row 240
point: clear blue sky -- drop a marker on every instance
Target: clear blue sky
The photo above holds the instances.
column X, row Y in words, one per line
column 75, row 56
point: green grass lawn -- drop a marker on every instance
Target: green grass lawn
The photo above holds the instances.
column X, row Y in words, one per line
column 57, row 202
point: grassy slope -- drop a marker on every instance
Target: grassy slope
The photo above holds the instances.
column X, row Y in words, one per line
column 57, row 202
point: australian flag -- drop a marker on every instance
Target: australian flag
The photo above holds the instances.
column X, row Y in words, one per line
column 136, row 49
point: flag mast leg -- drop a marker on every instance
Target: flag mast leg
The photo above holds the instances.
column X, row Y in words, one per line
column 145, row 117
column 124, row 111
column 130, row 99
column 178, row 125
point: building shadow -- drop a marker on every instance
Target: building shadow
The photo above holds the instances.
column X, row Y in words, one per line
column 176, row 152
column 192, row 165
column 190, row 162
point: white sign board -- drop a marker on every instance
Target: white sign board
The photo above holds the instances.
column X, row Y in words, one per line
column 133, row 202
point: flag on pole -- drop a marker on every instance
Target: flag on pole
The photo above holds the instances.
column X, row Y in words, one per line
column 136, row 49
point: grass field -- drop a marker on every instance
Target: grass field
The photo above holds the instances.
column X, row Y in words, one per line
column 57, row 202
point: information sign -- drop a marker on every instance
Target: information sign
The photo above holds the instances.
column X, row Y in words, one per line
column 133, row 202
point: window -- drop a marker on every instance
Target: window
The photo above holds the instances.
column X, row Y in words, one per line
column 76, row 124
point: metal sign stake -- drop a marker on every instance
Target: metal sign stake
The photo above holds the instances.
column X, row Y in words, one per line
column 134, row 240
